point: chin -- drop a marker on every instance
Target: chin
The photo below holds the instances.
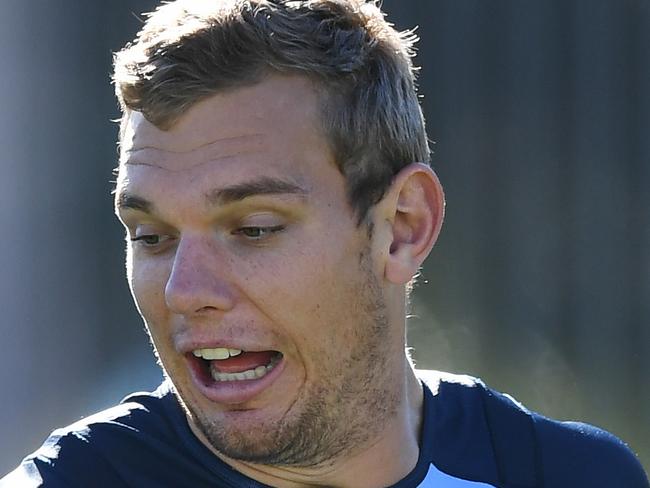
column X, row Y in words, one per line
column 260, row 436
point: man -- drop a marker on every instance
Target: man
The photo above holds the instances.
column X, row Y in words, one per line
column 277, row 202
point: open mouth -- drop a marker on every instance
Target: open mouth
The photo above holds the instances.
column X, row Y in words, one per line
column 225, row 364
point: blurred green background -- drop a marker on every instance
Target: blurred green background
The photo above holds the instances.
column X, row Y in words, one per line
column 539, row 114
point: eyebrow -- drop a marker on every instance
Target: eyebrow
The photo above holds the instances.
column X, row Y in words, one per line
column 126, row 201
column 261, row 186
column 222, row 196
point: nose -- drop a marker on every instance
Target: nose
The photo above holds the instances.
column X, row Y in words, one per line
column 198, row 280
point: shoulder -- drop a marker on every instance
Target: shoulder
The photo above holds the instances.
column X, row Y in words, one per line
column 97, row 447
column 137, row 419
column 526, row 446
column 586, row 454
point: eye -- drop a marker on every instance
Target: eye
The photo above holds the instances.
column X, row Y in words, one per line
column 256, row 233
column 150, row 240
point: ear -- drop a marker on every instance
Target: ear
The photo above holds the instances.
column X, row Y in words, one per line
column 414, row 205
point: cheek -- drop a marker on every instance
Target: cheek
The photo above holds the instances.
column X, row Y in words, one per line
column 147, row 285
column 312, row 294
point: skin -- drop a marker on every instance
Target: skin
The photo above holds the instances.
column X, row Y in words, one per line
column 246, row 239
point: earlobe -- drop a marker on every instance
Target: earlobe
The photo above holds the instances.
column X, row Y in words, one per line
column 416, row 207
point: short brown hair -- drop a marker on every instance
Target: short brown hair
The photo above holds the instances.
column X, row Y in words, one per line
column 189, row 50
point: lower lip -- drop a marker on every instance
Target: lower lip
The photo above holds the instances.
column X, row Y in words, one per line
column 231, row 392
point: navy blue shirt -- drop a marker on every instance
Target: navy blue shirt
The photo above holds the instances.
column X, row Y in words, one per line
column 472, row 437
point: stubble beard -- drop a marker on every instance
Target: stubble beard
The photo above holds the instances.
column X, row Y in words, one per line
column 335, row 418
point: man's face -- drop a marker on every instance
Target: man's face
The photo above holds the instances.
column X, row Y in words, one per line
column 242, row 240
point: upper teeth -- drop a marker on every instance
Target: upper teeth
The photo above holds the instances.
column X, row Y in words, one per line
column 216, row 353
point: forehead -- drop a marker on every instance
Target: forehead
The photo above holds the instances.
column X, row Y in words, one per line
column 227, row 124
column 269, row 130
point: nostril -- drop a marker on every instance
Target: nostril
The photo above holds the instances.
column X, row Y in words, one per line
column 207, row 309
column 198, row 298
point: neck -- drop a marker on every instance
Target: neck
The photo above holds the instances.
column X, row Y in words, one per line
column 383, row 460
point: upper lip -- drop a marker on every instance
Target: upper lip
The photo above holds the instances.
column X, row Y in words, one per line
column 190, row 337
column 189, row 346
